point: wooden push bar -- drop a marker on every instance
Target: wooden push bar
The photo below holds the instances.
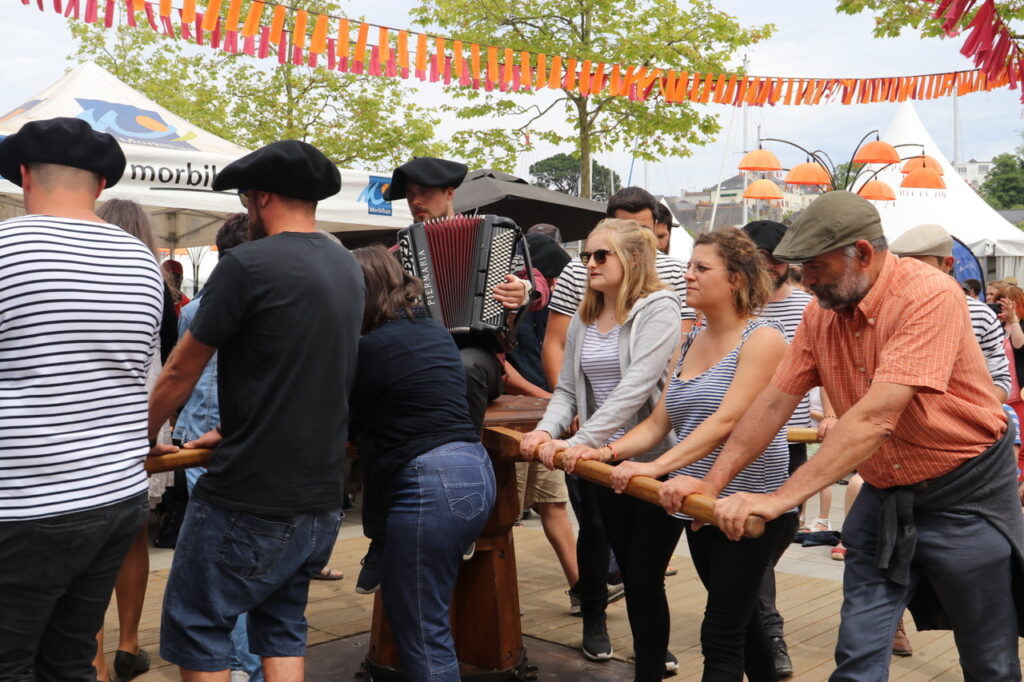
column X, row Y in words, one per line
column 182, row 459
column 700, row 507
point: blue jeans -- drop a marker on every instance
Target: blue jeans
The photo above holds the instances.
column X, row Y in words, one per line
column 241, row 657
column 966, row 560
column 438, row 505
column 56, row 576
column 230, row 562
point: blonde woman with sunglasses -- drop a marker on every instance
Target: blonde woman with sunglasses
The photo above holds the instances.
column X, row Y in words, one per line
column 617, row 353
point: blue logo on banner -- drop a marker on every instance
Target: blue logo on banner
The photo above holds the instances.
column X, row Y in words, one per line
column 373, row 195
column 133, row 125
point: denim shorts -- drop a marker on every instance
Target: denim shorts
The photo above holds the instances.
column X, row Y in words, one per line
column 229, row 562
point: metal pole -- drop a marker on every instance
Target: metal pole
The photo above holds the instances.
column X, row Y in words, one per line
column 956, row 127
column 746, row 148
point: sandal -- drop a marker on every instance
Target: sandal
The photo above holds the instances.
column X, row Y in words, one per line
column 838, row 552
column 819, row 526
column 328, row 573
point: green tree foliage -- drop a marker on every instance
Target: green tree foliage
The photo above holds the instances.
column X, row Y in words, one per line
column 358, row 121
column 691, row 36
column 562, row 172
column 892, row 16
column 1004, row 186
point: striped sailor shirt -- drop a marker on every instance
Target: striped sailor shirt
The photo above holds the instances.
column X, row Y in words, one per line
column 80, row 306
column 912, row 328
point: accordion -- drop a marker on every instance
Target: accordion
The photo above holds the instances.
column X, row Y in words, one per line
column 460, row 260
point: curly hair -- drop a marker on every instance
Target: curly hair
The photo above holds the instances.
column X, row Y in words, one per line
column 637, row 249
column 753, row 283
column 391, row 292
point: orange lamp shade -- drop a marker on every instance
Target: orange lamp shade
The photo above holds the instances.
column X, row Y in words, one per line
column 808, row 174
column 876, row 190
column 923, row 178
column 922, row 161
column 762, row 189
column 760, row 160
column 877, row 152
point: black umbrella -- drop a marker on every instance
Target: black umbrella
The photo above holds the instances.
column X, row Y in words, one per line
column 491, row 191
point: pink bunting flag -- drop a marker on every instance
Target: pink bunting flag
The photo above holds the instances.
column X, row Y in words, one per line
column 90, row 12
column 264, row 48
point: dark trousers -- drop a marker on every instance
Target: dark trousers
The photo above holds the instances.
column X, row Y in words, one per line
column 55, row 583
column 732, row 638
column 592, row 549
column 770, row 616
column 643, row 537
column 483, row 381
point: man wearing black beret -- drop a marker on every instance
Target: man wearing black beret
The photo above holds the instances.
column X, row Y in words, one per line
column 428, row 185
column 81, row 301
column 283, row 312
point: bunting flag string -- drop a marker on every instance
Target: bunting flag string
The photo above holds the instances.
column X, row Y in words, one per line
column 292, row 35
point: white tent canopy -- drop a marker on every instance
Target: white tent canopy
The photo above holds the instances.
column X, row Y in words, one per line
column 958, row 208
column 172, row 163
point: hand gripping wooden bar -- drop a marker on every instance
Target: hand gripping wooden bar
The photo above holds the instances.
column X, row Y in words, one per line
column 182, row 459
column 700, row 507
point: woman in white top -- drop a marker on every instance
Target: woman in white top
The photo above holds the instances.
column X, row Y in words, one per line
column 722, row 368
column 617, row 353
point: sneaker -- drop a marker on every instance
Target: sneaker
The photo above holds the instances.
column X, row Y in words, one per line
column 597, row 646
column 574, row 600
column 671, row 664
column 616, row 592
column 239, row 676
column 128, row 666
column 368, row 581
column 780, row 654
column 470, row 551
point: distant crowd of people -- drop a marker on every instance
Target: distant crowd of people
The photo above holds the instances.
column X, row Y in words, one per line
column 688, row 373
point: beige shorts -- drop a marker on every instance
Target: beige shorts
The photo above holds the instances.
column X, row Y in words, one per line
column 538, row 484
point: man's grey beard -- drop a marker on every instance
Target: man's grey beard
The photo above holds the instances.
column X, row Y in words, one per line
column 845, row 294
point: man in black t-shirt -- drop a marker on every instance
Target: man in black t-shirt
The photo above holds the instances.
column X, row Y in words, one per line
column 284, row 313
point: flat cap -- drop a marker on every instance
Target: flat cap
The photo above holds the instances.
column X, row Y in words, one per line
column 426, row 171
column 64, row 142
column 766, row 234
column 923, row 240
column 832, row 221
column 288, row 167
column 546, row 255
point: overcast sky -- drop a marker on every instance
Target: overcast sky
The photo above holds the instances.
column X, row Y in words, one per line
column 811, row 40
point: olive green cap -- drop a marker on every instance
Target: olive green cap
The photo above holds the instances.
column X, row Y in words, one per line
column 832, row 221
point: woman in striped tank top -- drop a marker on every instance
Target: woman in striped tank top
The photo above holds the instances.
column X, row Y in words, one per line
column 722, row 368
column 618, row 348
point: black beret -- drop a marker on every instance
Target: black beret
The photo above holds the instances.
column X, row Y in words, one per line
column 65, row 142
column 546, row 255
column 288, row 167
column 765, row 233
column 426, row 171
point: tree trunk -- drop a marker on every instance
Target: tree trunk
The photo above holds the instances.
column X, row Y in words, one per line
column 586, row 166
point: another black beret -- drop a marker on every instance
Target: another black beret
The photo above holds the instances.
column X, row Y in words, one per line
column 765, row 233
column 426, row 171
column 288, row 167
column 546, row 255
column 64, row 142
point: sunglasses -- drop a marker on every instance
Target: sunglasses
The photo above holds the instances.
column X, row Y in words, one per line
column 243, row 196
column 599, row 256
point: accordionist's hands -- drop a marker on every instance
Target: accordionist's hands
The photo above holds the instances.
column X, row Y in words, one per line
column 513, row 292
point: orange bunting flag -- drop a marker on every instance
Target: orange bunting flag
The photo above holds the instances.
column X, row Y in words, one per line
column 555, row 77
column 506, row 71
column 439, row 54
column 474, row 61
column 299, row 30
column 542, row 81
column 252, row 21
column 492, row 64
column 458, row 61
column 359, row 55
column 615, row 81
column 234, row 10
column 720, row 88
column 341, row 45
column 212, row 15
column 421, row 52
column 383, row 45
column 525, row 75
column 165, row 8
column 277, row 24
column 188, row 12
column 695, row 88
column 585, row 77
column 597, row 80
column 403, row 49
column 570, row 75
column 318, row 43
